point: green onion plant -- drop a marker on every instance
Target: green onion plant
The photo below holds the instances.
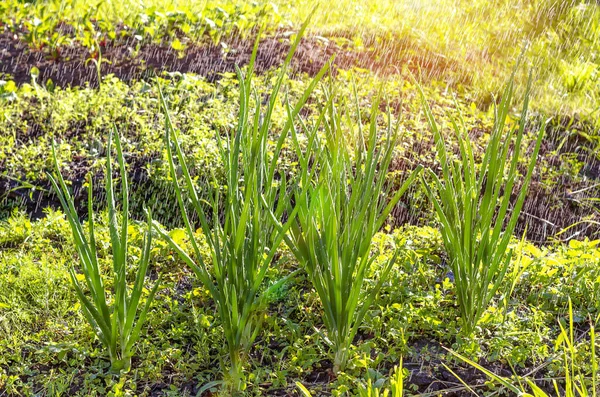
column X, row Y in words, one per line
column 342, row 199
column 245, row 224
column 115, row 314
column 473, row 204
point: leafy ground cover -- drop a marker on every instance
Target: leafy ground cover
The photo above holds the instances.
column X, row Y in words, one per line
column 74, row 71
column 49, row 349
column 564, row 185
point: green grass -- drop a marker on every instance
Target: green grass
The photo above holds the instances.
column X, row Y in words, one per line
column 395, row 389
column 46, row 341
column 577, row 382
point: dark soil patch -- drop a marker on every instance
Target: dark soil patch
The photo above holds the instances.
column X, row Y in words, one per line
column 547, row 209
column 552, row 204
column 129, row 60
column 428, row 376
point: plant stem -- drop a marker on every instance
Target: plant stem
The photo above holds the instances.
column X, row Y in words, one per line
column 236, row 371
column 340, row 358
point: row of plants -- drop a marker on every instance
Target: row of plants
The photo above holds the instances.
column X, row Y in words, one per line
column 47, row 346
column 476, row 54
column 54, row 26
column 327, row 215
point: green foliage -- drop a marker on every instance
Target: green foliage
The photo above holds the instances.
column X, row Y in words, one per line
column 118, row 324
column 243, row 247
column 51, row 26
column 396, row 388
column 240, row 184
column 576, row 382
column 472, row 43
column 78, row 119
column 342, row 202
column 45, row 341
column 472, row 203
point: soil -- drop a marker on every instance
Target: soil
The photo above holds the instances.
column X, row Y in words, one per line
column 550, row 205
column 546, row 210
column 128, row 60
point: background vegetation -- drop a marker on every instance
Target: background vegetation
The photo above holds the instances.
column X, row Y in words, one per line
column 72, row 71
